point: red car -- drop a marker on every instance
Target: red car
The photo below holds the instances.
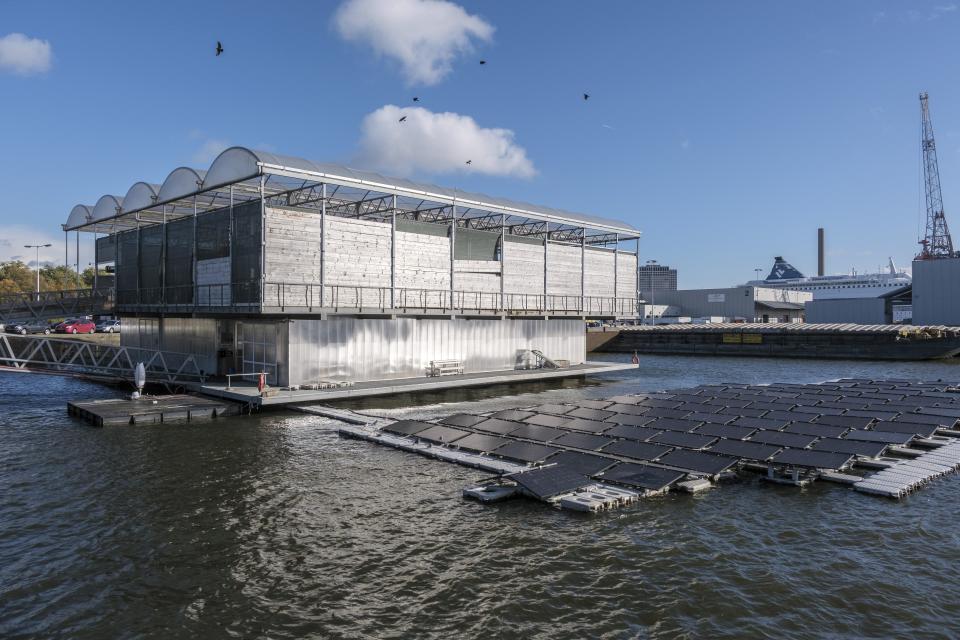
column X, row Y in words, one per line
column 76, row 326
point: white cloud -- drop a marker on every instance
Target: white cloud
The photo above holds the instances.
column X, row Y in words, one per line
column 424, row 36
column 208, row 151
column 439, row 143
column 25, row 56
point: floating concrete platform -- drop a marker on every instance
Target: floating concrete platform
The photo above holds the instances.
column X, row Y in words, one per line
column 250, row 395
column 151, row 409
column 599, row 454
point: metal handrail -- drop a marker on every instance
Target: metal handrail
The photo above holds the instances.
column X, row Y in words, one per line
column 309, row 296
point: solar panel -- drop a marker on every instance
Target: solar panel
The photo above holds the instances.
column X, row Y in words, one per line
column 628, row 399
column 525, row 451
column 582, row 441
column 789, row 416
column 724, row 431
column 715, row 418
column 741, row 449
column 513, row 414
column 816, row 429
column 494, row 425
column 851, row 422
column 546, row 420
column 659, row 404
column 815, row 459
column 748, row 412
column 591, row 414
column 878, row 415
column 623, row 418
column 666, row 413
column 636, row 450
column 631, row 432
column 940, row 411
column 880, row 436
column 462, row 420
column 698, row 461
column 547, row 482
column 595, row 404
column 631, row 409
column 584, row 463
column 441, row 434
column 554, row 409
column 922, row 430
column 870, row 449
column 783, row 439
column 671, row 424
column 761, row 423
column 642, row 476
column 536, row 432
column 481, row 443
column 925, row 418
column 407, row 427
column 728, row 402
column 688, row 440
column 690, row 399
column 590, row 426
column 817, row 410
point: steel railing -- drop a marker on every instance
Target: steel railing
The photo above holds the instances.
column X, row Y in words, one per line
column 29, row 305
column 310, row 297
column 84, row 357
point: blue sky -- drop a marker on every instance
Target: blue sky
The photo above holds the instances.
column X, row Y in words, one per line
column 726, row 131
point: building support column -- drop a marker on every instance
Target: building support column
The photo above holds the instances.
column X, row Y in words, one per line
column 263, row 239
column 66, row 249
column 193, row 281
column 503, row 262
column 637, row 273
column 453, row 245
column 616, row 250
column 139, row 260
column 96, row 262
column 163, row 257
column 546, row 241
column 323, row 242
column 393, row 254
column 230, row 254
column 78, row 258
column 583, row 271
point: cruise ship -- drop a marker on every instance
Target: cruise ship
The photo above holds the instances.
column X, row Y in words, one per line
column 868, row 285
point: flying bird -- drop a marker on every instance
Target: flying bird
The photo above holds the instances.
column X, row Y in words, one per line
column 483, row 62
column 416, row 99
column 403, row 118
column 219, row 48
column 586, row 96
column 469, row 161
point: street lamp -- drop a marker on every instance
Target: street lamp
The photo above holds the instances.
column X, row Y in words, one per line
column 37, row 247
column 757, row 271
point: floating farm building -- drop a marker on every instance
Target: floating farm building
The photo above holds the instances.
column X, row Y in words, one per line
column 316, row 272
column 885, row 438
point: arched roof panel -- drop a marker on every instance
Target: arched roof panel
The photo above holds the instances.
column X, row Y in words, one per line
column 79, row 216
column 182, row 182
column 107, row 207
column 140, row 196
column 232, row 165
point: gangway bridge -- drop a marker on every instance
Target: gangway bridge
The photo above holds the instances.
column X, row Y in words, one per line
column 31, row 306
column 78, row 357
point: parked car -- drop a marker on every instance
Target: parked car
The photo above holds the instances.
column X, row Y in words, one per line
column 108, row 326
column 29, row 327
column 76, row 326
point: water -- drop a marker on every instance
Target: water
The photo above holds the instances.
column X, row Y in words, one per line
column 275, row 527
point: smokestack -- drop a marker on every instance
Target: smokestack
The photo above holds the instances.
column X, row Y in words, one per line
column 820, row 269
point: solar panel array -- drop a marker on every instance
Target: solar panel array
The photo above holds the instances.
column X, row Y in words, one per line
column 652, row 440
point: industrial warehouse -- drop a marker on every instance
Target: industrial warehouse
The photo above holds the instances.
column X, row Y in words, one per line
column 316, row 273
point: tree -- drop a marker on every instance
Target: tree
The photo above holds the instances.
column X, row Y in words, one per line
column 17, row 277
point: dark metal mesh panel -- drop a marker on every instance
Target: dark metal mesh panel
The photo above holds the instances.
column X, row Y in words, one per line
column 476, row 245
column 126, row 268
column 213, row 235
column 247, row 250
column 106, row 249
column 179, row 262
column 151, row 240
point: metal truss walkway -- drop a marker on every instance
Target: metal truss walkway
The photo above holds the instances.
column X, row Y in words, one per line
column 79, row 357
column 29, row 307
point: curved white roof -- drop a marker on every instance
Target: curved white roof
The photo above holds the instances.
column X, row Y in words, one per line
column 107, row 207
column 140, row 196
column 239, row 164
column 81, row 214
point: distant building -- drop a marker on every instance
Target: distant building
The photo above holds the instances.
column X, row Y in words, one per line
column 893, row 307
column 936, row 292
column 655, row 278
column 745, row 304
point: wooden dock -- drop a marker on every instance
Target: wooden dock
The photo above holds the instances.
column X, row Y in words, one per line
column 151, row 409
